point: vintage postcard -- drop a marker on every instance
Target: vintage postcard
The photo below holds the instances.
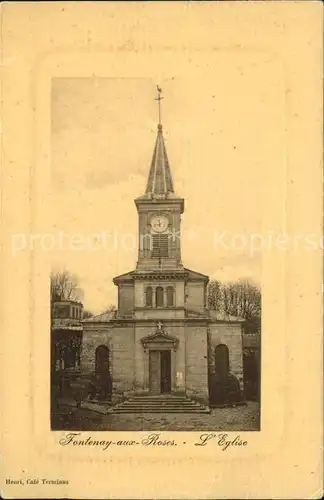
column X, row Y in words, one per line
column 162, row 254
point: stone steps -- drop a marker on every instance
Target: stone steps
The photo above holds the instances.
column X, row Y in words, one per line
column 159, row 400
column 120, row 411
column 162, row 404
column 158, row 405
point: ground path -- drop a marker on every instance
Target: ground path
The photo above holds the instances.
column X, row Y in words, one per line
column 239, row 418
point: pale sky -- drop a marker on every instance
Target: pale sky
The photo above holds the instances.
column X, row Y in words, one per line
column 219, row 147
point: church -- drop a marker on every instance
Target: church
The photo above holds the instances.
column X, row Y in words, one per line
column 162, row 340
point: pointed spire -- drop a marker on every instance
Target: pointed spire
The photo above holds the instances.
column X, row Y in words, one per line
column 160, row 179
column 159, row 184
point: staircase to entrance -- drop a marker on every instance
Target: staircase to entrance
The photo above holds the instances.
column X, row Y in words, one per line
column 160, row 404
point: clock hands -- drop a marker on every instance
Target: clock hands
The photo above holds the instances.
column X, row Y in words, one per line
column 159, row 223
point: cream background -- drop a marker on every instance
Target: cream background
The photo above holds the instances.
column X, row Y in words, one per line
column 42, row 41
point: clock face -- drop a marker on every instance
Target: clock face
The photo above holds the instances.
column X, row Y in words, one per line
column 159, row 223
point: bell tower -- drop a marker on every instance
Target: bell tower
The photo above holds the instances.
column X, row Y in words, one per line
column 159, row 212
column 158, row 336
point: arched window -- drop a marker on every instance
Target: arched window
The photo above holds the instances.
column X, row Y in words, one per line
column 149, row 296
column 221, row 361
column 159, row 296
column 102, row 359
column 170, row 296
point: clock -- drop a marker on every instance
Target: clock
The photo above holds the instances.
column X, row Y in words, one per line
column 159, row 223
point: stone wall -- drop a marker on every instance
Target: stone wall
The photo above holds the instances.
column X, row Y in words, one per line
column 120, row 341
column 92, row 338
column 123, row 358
column 125, row 299
column 179, row 357
column 195, row 296
column 197, row 363
column 229, row 334
column 129, row 366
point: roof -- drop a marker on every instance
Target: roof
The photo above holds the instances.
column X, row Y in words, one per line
column 124, row 277
column 220, row 316
column 187, row 273
column 68, row 328
column 101, row 318
column 66, row 324
column 194, row 275
column 67, row 302
column 192, row 313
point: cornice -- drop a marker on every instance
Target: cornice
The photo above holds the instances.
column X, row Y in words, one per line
column 162, row 309
column 156, row 203
column 132, row 321
column 161, row 275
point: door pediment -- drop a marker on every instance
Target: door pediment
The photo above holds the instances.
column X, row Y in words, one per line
column 159, row 340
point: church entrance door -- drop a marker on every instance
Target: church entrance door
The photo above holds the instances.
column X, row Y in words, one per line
column 165, row 372
column 160, row 372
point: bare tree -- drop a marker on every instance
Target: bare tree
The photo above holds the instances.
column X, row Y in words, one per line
column 110, row 308
column 241, row 299
column 215, row 296
column 65, row 286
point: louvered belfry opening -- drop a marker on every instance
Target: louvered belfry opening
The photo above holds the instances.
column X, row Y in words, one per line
column 160, row 245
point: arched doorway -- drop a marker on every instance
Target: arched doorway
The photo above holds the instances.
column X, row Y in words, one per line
column 101, row 381
column 222, row 362
column 102, row 360
column 218, row 378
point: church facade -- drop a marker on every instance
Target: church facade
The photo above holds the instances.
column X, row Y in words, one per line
column 162, row 339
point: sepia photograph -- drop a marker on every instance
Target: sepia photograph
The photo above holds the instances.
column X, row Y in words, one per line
column 162, row 259
column 161, row 330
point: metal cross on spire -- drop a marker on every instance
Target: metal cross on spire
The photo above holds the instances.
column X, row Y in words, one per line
column 158, row 98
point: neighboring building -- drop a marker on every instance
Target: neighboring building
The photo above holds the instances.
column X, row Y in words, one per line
column 66, row 335
column 251, row 365
column 162, row 338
